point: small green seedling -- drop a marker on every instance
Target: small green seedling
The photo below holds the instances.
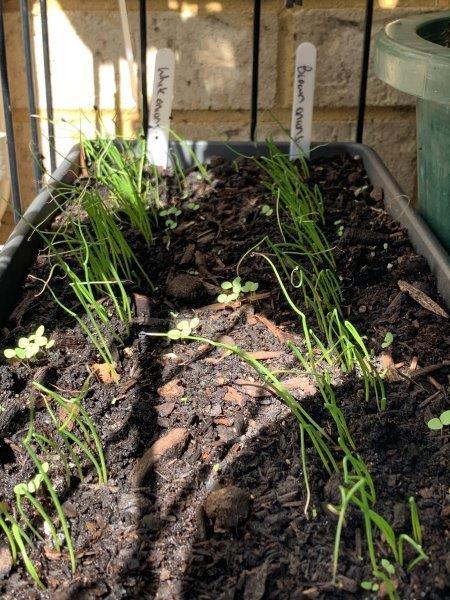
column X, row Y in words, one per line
column 183, row 329
column 388, row 339
column 388, row 566
column 371, row 586
column 174, row 212
column 266, row 210
column 340, row 230
column 438, row 423
column 30, row 346
column 34, row 484
column 184, row 400
column 237, row 288
column 193, row 206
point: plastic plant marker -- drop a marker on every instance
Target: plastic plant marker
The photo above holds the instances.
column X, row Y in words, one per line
column 303, row 100
column 161, row 108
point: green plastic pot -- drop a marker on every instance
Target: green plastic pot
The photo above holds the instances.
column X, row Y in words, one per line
column 413, row 56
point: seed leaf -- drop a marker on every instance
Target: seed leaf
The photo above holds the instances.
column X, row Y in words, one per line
column 445, row 417
column 435, row 424
column 226, row 285
column 9, row 353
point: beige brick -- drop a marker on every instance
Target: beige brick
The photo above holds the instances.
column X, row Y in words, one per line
column 338, row 35
column 213, row 59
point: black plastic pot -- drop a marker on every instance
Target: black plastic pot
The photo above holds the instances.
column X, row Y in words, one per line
column 23, row 244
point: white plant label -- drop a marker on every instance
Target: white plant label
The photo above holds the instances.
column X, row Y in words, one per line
column 161, row 108
column 303, row 101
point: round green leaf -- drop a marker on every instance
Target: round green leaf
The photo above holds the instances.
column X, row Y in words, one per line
column 226, row 285
column 223, row 298
column 174, row 334
column 366, row 585
column 445, row 417
column 20, row 489
column 40, row 330
column 31, row 350
column 387, row 566
column 9, row 353
column 182, row 325
column 45, row 467
column 23, row 342
column 435, row 424
column 20, row 353
column 195, row 322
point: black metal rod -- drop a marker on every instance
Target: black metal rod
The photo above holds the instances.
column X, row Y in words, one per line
column 15, row 190
column 255, row 68
column 48, row 84
column 143, row 61
column 364, row 71
column 30, row 88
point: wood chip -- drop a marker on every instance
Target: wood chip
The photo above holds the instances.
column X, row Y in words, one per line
column 254, row 390
column 276, row 331
column 300, row 384
column 105, row 373
column 266, row 354
column 171, row 389
column 233, row 395
column 414, row 363
column 422, row 298
column 170, row 445
column 165, row 409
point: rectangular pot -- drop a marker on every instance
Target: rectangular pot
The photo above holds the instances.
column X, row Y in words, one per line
column 22, row 246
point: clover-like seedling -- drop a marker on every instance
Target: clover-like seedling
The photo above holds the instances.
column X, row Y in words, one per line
column 30, row 346
column 266, row 210
column 438, row 423
column 173, row 211
column 183, row 329
column 388, row 339
column 371, row 586
column 236, row 289
column 193, row 206
column 23, row 489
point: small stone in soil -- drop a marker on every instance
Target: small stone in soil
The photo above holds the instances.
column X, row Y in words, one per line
column 227, row 507
column 6, row 562
column 185, row 287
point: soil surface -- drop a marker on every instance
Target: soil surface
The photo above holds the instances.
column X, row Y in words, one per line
column 205, row 494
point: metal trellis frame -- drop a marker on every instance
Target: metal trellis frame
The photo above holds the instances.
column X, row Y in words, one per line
column 143, row 45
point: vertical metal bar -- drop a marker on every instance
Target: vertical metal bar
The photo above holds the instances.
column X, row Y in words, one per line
column 48, row 84
column 143, row 62
column 15, row 190
column 255, row 67
column 30, row 88
column 364, row 71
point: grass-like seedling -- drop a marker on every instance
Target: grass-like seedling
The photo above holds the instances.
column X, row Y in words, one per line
column 88, row 440
column 235, row 289
column 120, row 168
column 438, row 423
column 28, row 347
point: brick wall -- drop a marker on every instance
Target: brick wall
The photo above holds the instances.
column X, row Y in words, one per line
column 212, row 41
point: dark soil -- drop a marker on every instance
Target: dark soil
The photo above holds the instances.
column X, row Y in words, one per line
column 219, row 515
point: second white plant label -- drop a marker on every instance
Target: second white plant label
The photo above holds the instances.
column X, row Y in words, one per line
column 303, row 101
column 161, row 108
